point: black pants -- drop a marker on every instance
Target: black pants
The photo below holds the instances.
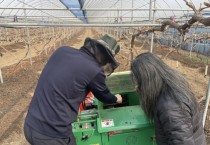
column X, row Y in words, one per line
column 35, row 138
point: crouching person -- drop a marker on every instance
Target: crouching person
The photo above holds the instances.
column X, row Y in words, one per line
column 167, row 98
column 63, row 85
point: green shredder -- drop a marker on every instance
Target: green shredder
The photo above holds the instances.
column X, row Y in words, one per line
column 115, row 124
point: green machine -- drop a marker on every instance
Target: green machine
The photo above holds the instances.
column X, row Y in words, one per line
column 115, row 124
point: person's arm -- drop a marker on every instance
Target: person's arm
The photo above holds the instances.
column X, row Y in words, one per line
column 177, row 126
column 99, row 89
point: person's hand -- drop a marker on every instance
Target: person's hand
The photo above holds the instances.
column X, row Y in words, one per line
column 119, row 98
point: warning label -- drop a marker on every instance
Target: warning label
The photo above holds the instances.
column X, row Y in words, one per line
column 107, row 123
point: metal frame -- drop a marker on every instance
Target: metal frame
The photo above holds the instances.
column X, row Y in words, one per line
column 73, row 25
column 98, row 9
column 94, row 12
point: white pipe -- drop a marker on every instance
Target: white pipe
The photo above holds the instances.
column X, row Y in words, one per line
column 150, row 9
column 152, row 4
column 206, row 70
column 206, row 104
column 177, row 64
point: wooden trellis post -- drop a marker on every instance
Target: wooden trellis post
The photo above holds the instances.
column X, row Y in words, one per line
column 64, row 34
column 28, row 40
column 53, row 37
column 60, row 30
column 191, row 48
column 45, row 42
column 70, row 33
column 7, row 36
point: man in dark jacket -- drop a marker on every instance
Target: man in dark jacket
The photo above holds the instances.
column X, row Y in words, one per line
column 64, row 83
column 167, row 98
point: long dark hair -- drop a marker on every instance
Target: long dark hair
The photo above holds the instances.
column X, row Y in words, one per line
column 153, row 77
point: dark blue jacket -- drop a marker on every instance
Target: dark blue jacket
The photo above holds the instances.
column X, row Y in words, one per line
column 65, row 81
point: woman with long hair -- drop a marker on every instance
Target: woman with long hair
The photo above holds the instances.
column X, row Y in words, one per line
column 166, row 97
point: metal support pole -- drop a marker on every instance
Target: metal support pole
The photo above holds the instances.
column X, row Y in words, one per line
column 121, row 21
column 28, row 40
column 152, row 42
column 117, row 23
column 191, row 48
column 192, row 43
column 172, row 40
column 150, row 10
column 132, row 13
column 153, row 21
column 206, row 104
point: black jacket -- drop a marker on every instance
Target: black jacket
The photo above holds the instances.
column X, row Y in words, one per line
column 65, row 81
column 177, row 125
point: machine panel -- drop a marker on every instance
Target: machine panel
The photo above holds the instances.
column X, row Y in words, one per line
column 115, row 124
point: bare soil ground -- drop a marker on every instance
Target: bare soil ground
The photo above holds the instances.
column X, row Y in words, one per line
column 20, row 82
column 17, row 90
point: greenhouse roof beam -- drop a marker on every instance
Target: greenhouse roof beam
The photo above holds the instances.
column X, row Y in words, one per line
column 76, row 25
column 102, row 9
column 74, row 17
column 81, row 3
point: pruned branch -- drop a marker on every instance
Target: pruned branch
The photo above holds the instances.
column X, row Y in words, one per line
column 45, row 46
column 172, row 50
column 183, row 29
column 124, row 57
column 207, row 6
column 163, row 28
column 191, row 5
column 26, row 54
column 202, row 36
column 8, row 52
column 198, row 17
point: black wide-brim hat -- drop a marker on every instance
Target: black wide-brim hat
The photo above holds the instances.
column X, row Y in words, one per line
column 112, row 48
